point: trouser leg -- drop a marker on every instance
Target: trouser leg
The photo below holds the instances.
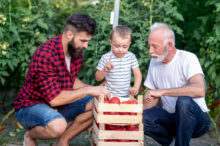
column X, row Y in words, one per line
column 190, row 120
column 158, row 124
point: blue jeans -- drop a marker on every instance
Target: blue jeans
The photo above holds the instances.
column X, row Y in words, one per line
column 189, row 121
column 42, row 114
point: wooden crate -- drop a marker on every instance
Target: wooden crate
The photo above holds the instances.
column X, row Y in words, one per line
column 100, row 134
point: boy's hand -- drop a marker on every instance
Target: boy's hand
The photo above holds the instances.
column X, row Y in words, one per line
column 133, row 91
column 109, row 65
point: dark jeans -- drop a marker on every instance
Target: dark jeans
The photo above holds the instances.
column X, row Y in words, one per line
column 188, row 121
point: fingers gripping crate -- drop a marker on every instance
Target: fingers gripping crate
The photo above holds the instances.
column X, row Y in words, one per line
column 102, row 136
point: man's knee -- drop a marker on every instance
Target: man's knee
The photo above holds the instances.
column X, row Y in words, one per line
column 148, row 116
column 57, row 127
column 184, row 103
column 89, row 105
column 84, row 117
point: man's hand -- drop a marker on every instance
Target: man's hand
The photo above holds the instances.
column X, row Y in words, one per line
column 152, row 94
column 109, row 65
column 99, row 90
column 103, row 83
column 133, row 91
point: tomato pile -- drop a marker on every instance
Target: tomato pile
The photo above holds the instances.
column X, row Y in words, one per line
column 116, row 100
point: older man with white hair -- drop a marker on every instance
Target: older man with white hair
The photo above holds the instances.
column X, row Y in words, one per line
column 175, row 78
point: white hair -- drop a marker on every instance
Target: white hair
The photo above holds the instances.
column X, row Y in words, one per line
column 169, row 34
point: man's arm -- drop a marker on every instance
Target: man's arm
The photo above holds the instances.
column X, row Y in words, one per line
column 195, row 88
column 79, row 84
column 69, row 96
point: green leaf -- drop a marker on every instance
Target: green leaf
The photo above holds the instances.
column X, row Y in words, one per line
column 4, row 73
column 41, row 23
column 42, row 38
column 217, row 7
column 207, row 64
column 2, row 80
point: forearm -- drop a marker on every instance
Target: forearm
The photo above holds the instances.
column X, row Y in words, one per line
column 189, row 90
column 100, row 75
column 137, row 78
column 79, row 84
column 69, row 96
column 195, row 88
column 151, row 104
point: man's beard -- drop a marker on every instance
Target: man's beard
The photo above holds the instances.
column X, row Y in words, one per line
column 160, row 58
column 74, row 52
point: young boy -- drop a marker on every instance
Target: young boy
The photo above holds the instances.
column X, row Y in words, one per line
column 115, row 66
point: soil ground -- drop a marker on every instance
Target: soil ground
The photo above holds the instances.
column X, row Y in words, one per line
column 11, row 135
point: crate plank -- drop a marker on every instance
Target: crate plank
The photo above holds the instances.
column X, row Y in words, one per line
column 101, row 143
column 111, row 134
column 106, row 107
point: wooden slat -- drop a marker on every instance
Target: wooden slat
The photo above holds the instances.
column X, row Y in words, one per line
column 123, row 119
column 99, row 143
column 105, row 107
column 112, row 134
column 130, row 135
column 95, row 115
column 140, row 99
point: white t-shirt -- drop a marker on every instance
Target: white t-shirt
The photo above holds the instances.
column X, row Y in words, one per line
column 68, row 60
column 175, row 74
column 118, row 78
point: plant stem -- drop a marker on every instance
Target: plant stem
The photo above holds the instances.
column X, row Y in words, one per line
column 10, row 12
column 6, row 116
column 215, row 128
column 30, row 6
column 151, row 16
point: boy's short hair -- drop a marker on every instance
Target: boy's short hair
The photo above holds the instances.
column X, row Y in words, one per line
column 80, row 22
column 122, row 31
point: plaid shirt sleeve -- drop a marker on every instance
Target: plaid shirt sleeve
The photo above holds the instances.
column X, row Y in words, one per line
column 48, row 80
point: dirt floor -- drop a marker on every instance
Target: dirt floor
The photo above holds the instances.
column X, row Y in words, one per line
column 12, row 135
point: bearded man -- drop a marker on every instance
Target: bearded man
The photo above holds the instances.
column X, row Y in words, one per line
column 52, row 95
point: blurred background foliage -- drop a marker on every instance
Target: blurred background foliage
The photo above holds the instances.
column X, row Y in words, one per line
column 25, row 24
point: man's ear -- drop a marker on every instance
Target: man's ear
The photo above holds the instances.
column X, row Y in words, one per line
column 170, row 45
column 69, row 35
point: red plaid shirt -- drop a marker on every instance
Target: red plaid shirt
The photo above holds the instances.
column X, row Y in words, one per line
column 47, row 75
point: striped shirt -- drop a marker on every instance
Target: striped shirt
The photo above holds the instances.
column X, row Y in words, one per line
column 118, row 78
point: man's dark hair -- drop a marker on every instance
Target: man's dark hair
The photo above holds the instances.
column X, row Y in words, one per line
column 80, row 22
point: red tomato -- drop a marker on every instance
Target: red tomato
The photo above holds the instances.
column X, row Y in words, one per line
column 132, row 128
column 96, row 110
column 114, row 100
column 143, row 88
column 125, row 102
column 133, row 102
column 106, row 100
column 132, row 113
column 1, row 128
column 121, row 128
column 123, row 140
